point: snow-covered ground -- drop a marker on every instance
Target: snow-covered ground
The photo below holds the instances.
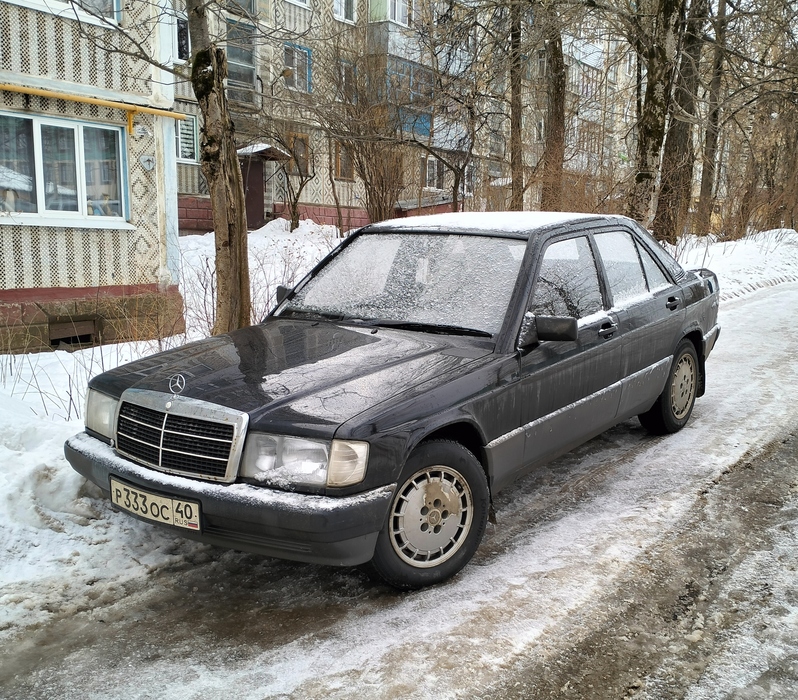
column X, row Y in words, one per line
column 65, row 552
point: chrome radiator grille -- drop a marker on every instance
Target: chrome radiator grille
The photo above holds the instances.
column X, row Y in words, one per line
column 177, row 442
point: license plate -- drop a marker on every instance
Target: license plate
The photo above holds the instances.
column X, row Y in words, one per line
column 161, row 509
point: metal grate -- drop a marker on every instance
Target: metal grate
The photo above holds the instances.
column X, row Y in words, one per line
column 174, row 442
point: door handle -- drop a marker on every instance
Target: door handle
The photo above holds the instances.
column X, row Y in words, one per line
column 608, row 329
column 673, row 303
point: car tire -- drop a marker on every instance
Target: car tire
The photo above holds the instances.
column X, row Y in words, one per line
column 675, row 404
column 437, row 517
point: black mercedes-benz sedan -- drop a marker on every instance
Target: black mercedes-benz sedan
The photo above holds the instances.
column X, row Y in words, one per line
column 421, row 367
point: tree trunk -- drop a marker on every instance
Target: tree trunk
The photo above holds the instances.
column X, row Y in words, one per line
column 678, row 156
column 516, row 80
column 660, row 57
column 554, row 147
column 703, row 220
column 222, row 171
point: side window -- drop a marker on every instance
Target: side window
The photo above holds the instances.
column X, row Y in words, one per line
column 655, row 276
column 567, row 283
column 624, row 274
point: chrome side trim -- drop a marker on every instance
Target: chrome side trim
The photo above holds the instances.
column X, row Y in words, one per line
column 612, row 387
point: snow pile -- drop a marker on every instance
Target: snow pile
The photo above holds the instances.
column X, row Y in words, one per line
column 276, row 256
column 761, row 260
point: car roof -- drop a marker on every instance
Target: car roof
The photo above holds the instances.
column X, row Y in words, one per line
column 512, row 223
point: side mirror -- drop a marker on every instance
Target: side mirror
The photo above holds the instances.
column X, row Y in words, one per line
column 557, row 327
column 282, row 293
column 537, row 328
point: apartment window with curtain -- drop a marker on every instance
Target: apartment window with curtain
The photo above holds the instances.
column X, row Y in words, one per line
column 52, row 167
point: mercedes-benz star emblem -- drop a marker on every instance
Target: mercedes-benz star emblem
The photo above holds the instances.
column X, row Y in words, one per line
column 177, row 382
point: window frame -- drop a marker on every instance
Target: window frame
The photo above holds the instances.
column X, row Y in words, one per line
column 348, row 176
column 341, row 15
column 67, row 10
column 235, row 88
column 181, row 18
column 82, row 180
column 435, row 172
column 294, row 50
column 190, row 119
column 400, row 12
column 294, row 163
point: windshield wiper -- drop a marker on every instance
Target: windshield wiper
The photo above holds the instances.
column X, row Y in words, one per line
column 441, row 328
column 305, row 313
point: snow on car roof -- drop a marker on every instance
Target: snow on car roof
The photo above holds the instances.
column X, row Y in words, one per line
column 513, row 222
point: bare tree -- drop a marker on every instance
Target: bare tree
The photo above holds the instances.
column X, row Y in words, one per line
column 657, row 37
column 207, row 71
column 222, row 172
column 678, row 159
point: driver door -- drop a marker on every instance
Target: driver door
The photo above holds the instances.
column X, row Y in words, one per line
column 570, row 390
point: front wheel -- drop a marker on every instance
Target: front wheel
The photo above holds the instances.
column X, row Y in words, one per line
column 675, row 404
column 437, row 517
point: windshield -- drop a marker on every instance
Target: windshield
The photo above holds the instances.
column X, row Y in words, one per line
column 432, row 279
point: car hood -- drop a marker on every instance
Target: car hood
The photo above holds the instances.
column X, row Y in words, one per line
column 296, row 375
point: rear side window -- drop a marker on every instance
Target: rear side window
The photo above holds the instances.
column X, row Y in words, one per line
column 624, row 273
column 567, row 283
column 655, row 277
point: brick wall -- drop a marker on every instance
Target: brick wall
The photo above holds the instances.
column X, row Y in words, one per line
column 352, row 218
column 32, row 320
column 194, row 214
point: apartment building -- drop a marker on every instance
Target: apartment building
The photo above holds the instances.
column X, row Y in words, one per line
column 444, row 84
column 88, row 183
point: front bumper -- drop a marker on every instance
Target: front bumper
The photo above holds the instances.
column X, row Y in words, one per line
column 317, row 529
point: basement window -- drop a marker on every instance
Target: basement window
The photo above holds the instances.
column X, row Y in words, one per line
column 74, row 334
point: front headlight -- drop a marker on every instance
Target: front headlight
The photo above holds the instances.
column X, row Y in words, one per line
column 100, row 413
column 287, row 462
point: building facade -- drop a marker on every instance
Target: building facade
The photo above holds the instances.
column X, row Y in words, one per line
column 88, row 181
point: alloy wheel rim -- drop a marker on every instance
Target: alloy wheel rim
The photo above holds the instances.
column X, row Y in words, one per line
column 431, row 516
column 683, row 387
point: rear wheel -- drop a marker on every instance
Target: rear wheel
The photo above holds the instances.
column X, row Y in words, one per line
column 675, row 404
column 437, row 517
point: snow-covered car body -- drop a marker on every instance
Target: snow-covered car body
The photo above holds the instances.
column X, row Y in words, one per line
column 421, row 367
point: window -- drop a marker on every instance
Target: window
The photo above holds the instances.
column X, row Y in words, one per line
column 182, row 41
column 399, row 11
column 186, row 147
column 47, row 165
column 240, row 62
column 347, row 86
column 542, row 64
column 297, row 60
column 624, row 274
column 299, row 146
column 540, row 130
column 654, row 275
column 100, row 8
column 567, row 283
column 630, row 63
column 467, row 187
column 344, row 10
column 432, row 173
column 241, row 7
column 344, row 167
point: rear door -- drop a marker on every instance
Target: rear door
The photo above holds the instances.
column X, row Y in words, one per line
column 650, row 311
